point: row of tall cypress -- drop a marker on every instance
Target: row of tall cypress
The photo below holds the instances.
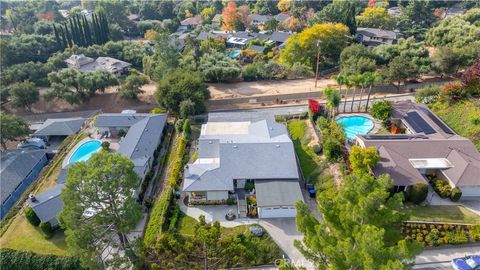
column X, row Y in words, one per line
column 80, row 31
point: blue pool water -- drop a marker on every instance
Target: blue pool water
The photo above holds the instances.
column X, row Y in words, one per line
column 85, row 151
column 354, row 125
column 234, row 54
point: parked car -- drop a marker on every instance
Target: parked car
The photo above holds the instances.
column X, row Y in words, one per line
column 32, row 143
column 467, row 263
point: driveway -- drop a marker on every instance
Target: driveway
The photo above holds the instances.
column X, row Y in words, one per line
column 445, row 255
column 284, row 231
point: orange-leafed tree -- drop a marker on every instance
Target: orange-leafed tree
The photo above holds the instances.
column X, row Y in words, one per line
column 229, row 16
column 243, row 15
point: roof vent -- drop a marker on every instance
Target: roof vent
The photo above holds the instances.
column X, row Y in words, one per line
column 210, row 142
column 235, row 146
column 277, row 145
column 32, row 197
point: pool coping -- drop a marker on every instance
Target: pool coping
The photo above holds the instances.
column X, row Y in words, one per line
column 67, row 157
column 376, row 124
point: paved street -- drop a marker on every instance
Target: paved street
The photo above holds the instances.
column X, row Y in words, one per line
column 439, row 258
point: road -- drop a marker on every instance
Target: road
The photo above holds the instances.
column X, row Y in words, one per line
column 439, row 258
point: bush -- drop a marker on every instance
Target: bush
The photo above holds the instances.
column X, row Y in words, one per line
column 20, row 260
column 249, row 185
column 158, row 217
column 475, row 232
column 32, row 217
column 122, row 133
column 187, row 129
column 230, row 201
column 456, row 237
column 317, row 149
column 179, row 125
column 428, row 94
column 418, row 193
column 47, row 229
column 332, row 150
column 174, row 219
column 158, row 110
column 381, row 110
column 455, row 195
column 105, row 146
column 442, row 188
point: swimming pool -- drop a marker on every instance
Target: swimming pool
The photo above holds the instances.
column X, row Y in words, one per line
column 85, row 151
column 353, row 125
column 234, row 54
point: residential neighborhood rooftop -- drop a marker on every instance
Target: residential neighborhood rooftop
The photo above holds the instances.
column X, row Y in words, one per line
column 59, row 127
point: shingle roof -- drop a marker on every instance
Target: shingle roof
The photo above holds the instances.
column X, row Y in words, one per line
column 260, row 17
column 15, row 166
column 119, row 119
column 60, row 127
column 280, row 36
column 395, row 151
column 261, row 151
column 271, row 193
column 282, row 17
column 257, row 48
column 138, row 144
column 48, row 203
column 380, row 33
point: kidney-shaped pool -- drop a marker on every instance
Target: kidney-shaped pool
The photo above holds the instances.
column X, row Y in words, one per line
column 85, row 151
column 353, row 125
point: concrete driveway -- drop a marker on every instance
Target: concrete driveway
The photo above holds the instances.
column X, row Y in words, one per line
column 284, row 231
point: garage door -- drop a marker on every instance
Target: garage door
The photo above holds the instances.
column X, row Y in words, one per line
column 277, row 212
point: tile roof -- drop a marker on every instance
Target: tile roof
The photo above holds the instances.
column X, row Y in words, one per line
column 15, row 166
column 60, row 127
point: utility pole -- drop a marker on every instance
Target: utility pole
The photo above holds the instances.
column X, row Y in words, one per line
column 318, row 61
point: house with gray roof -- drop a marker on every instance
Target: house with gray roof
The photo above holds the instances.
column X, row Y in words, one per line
column 47, row 204
column 88, row 64
column 59, row 128
column 259, row 19
column 428, row 148
column 232, row 153
column 144, row 133
column 18, row 169
column 279, row 38
column 372, row 37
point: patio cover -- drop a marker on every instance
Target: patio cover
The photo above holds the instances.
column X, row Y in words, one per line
column 271, row 193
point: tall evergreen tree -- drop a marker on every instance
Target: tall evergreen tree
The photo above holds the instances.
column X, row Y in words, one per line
column 68, row 36
column 86, row 30
column 60, row 45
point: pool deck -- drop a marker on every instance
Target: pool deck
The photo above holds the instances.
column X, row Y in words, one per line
column 376, row 124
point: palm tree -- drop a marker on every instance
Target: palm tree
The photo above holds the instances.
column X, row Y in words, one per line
column 333, row 100
column 340, row 78
column 372, row 78
column 348, row 85
column 363, row 85
column 356, row 81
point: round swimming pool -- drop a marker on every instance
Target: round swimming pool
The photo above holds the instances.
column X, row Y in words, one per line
column 85, row 151
column 353, row 125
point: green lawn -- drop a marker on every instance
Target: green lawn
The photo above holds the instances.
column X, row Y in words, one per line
column 442, row 213
column 463, row 117
column 21, row 235
column 309, row 161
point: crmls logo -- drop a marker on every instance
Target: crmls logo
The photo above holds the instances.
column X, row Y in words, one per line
column 286, row 261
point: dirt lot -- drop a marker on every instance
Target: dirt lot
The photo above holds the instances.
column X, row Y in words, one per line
column 265, row 88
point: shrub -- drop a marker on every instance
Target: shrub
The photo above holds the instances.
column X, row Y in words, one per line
column 174, row 219
column 317, row 149
column 122, row 133
column 19, row 260
column 105, row 146
column 475, row 232
column 179, row 125
column 32, row 217
column 418, row 193
column 331, row 150
column 187, row 130
column 158, row 216
column 456, row 237
column 442, row 188
column 428, row 94
column 230, row 201
column 455, row 195
column 158, row 110
column 47, row 229
column 249, row 185
column 381, row 110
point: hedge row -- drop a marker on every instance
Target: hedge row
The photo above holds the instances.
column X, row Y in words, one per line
column 178, row 163
column 20, row 260
column 158, row 216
